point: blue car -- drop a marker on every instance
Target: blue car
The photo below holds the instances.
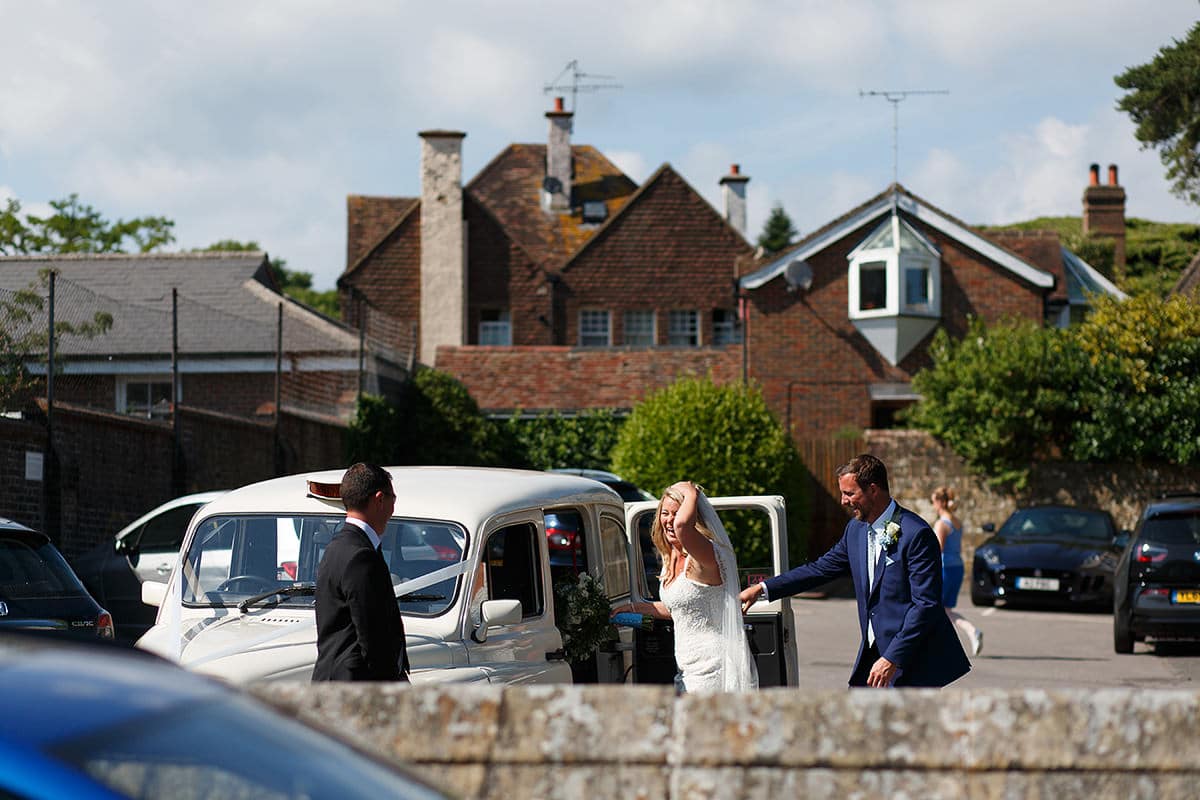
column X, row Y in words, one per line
column 95, row 721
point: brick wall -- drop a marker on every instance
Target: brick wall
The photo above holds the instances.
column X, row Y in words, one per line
column 537, row 378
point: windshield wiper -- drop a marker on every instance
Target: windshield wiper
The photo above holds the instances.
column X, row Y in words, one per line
column 281, row 592
column 424, row 597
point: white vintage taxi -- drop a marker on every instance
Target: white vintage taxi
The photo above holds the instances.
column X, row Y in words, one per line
column 470, row 561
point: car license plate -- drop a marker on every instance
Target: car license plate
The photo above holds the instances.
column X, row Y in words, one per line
column 1185, row 596
column 1038, row 584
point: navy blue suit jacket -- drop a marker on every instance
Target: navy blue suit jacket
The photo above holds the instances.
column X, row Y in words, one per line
column 905, row 605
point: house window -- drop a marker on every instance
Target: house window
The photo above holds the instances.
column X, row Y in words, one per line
column 872, row 285
column 144, row 397
column 639, row 328
column 594, row 329
column 916, row 287
column 683, row 329
column 495, row 328
column 725, row 327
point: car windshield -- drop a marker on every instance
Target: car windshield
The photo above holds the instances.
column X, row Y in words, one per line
column 187, row 753
column 1062, row 523
column 1176, row 528
column 30, row 568
column 234, row 558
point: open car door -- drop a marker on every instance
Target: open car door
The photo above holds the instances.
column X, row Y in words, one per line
column 770, row 627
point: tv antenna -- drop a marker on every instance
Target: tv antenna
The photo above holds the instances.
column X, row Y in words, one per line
column 575, row 86
column 894, row 97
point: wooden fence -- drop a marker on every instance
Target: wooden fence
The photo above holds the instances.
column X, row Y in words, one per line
column 827, row 518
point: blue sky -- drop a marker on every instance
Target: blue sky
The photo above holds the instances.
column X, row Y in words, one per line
column 254, row 120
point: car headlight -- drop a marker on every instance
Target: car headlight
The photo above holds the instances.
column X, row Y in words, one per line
column 991, row 557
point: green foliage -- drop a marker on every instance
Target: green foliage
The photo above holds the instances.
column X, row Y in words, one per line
column 778, row 232
column 76, row 227
column 1163, row 100
column 22, row 339
column 435, row 422
column 725, row 439
column 295, row 284
column 581, row 612
column 552, row 441
column 1123, row 385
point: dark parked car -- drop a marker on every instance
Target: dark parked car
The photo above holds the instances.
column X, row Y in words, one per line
column 1157, row 592
column 105, row 722
column 1049, row 555
column 144, row 550
column 38, row 590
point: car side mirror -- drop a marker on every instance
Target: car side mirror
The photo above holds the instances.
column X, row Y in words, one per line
column 989, row 527
column 154, row 593
column 495, row 612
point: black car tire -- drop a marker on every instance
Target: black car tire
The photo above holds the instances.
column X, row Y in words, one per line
column 979, row 598
column 1122, row 632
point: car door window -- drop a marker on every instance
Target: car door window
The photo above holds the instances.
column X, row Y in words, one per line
column 165, row 531
column 514, row 568
column 616, row 558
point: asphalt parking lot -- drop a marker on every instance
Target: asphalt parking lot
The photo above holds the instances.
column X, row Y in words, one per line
column 1022, row 649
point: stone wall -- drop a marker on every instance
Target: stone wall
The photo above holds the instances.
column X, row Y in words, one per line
column 643, row 742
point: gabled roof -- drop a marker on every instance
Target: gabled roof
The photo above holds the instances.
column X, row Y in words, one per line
column 1189, row 279
column 897, row 197
column 226, row 304
column 370, row 219
column 510, row 188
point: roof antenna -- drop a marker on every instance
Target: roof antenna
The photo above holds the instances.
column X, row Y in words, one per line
column 894, row 97
column 574, row 87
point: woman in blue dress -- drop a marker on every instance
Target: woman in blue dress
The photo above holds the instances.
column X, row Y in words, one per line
column 948, row 528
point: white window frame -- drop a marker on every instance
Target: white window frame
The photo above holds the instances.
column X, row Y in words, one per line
column 591, row 332
column 496, row 332
column 689, row 328
column 643, row 315
column 122, row 393
column 898, row 260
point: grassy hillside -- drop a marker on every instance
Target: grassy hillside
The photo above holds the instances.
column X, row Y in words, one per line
column 1155, row 252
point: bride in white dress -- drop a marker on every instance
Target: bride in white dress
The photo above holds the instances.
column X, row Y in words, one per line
column 699, row 591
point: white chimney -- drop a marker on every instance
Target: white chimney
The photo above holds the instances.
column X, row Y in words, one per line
column 443, row 244
column 556, row 188
column 733, row 188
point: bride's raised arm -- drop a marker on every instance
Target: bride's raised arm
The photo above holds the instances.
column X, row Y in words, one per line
column 694, row 542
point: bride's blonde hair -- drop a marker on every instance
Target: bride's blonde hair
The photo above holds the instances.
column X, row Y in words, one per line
column 659, row 537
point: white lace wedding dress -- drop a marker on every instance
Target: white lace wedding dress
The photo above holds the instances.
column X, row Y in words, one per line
column 696, row 613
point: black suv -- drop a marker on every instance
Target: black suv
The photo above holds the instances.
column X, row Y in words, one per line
column 1157, row 591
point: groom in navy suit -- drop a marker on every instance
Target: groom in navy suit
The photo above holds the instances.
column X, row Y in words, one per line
column 895, row 562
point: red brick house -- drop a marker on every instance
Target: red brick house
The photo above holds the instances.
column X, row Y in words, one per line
column 552, row 281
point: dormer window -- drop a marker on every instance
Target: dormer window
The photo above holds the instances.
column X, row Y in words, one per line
column 894, row 272
column 895, row 287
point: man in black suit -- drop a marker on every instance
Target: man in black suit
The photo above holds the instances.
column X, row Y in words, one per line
column 360, row 634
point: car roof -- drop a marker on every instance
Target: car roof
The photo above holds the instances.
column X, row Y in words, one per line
column 594, row 474
column 198, row 497
column 7, row 524
column 1173, row 503
column 467, row 495
column 47, row 688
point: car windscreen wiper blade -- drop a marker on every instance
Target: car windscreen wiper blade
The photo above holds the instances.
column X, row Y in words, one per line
column 294, row 590
column 425, row 597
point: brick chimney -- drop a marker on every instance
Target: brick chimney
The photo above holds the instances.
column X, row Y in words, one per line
column 556, row 187
column 733, row 190
column 443, row 244
column 1104, row 213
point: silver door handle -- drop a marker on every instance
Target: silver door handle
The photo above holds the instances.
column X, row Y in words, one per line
column 163, row 569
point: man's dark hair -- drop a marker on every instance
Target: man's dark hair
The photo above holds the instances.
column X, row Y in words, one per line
column 866, row 468
column 361, row 482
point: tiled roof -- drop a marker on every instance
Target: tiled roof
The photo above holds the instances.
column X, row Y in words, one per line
column 226, row 307
column 1043, row 249
column 369, row 219
column 510, row 187
column 1189, row 279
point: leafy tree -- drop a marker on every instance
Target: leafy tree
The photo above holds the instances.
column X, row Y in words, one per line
column 551, row 441
column 76, row 227
column 1002, row 396
column 724, row 438
column 293, row 283
column 778, row 232
column 1163, row 100
column 23, row 336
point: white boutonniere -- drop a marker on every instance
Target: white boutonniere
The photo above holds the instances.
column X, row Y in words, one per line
column 891, row 532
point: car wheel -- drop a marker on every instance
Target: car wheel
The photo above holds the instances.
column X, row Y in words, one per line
column 1122, row 632
column 980, row 598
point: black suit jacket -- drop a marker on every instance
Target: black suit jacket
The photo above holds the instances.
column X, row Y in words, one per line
column 360, row 633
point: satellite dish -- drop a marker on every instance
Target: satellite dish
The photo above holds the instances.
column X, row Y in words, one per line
column 798, row 275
